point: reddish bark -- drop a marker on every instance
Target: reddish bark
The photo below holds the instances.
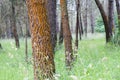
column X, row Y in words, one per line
column 66, row 34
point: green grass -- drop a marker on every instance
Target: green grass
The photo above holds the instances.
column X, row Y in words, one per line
column 95, row 61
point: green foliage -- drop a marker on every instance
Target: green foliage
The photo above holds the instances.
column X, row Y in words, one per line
column 95, row 61
column 100, row 29
column 99, row 25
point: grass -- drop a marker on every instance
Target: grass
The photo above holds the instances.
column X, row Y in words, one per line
column 95, row 61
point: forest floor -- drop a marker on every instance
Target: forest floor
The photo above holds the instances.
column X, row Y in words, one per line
column 96, row 60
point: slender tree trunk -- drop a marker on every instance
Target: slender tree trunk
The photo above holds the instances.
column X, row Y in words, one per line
column 92, row 18
column 92, row 22
column 61, row 34
column 13, row 23
column 21, row 30
column 51, row 6
column 44, row 67
column 86, row 18
column 105, row 19
column 26, row 43
column 118, row 12
column 7, row 27
column 67, row 34
column 111, row 17
column 0, row 46
column 77, row 23
column 81, row 25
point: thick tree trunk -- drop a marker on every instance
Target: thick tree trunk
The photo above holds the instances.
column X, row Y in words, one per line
column 105, row 19
column 51, row 6
column 41, row 40
column 66, row 34
column 13, row 23
column 111, row 17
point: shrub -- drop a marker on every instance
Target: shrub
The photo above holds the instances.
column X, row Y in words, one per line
column 99, row 25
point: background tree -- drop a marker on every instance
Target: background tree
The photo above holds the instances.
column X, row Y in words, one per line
column 92, row 16
column 85, row 17
column 111, row 17
column 61, row 33
column 105, row 20
column 41, row 41
column 51, row 6
column 66, row 34
column 118, row 12
column 13, row 24
column 77, row 23
column 0, row 46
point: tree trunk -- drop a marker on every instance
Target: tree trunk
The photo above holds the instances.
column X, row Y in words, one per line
column 13, row 23
column 81, row 25
column 66, row 34
column 85, row 17
column 92, row 18
column 26, row 43
column 0, row 46
column 77, row 23
column 61, row 34
column 118, row 12
column 111, row 17
column 51, row 6
column 105, row 19
column 44, row 67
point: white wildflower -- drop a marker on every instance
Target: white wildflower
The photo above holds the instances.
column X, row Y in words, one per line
column 26, row 78
column 74, row 77
column 104, row 59
column 90, row 65
column 10, row 55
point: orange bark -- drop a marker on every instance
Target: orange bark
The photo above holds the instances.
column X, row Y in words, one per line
column 41, row 41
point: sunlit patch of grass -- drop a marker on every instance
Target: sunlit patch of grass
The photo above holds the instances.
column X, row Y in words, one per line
column 96, row 60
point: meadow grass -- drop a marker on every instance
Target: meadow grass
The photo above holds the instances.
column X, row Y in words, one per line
column 96, row 60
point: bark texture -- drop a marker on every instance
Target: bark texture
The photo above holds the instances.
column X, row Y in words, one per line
column 66, row 34
column 51, row 6
column 43, row 56
column 111, row 17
